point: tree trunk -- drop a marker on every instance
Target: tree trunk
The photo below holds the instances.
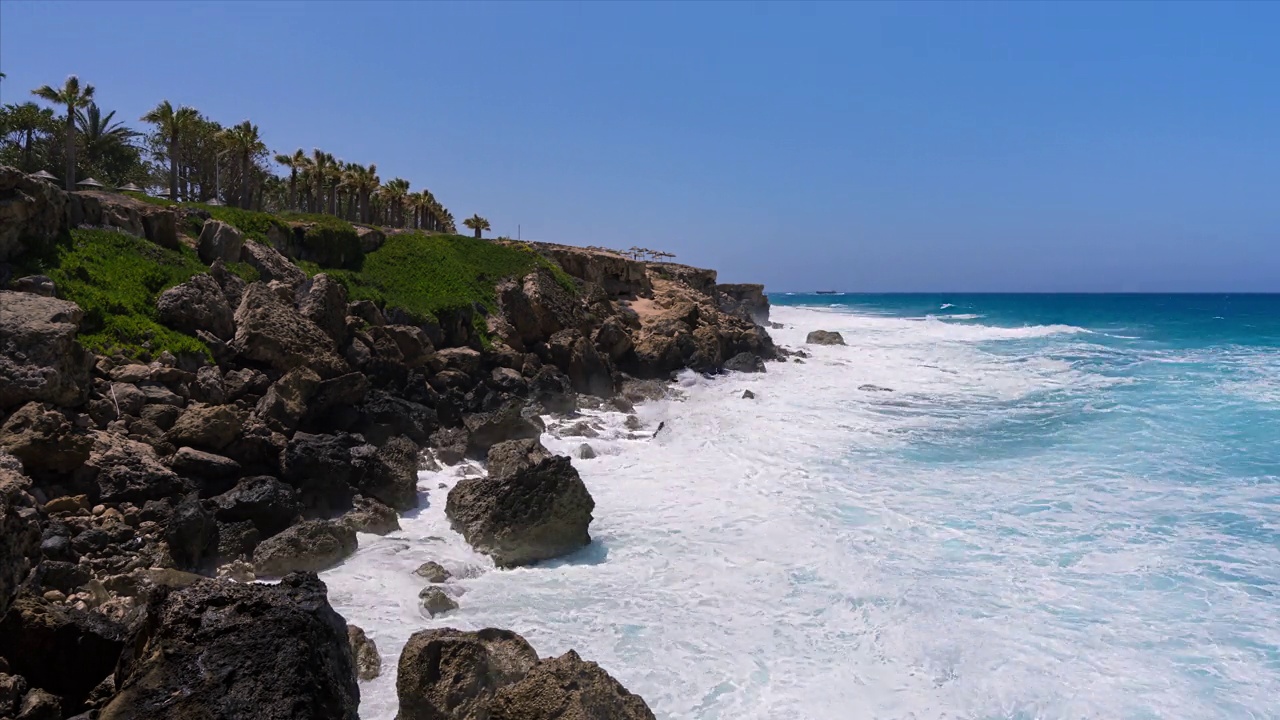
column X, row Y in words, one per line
column 293, row 189
column 26, row 150
column 477, row 232
column 173, row 168
column 245, row 196
column 71, row 148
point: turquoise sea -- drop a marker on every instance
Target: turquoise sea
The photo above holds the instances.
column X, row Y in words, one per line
column 981, row 507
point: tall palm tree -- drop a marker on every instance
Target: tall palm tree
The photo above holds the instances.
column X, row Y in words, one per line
column 27, row 119
column 395, row 191
column 171, row 123
column 333, row 176
column 477, row 223
column 365, row 182
column 73, row 96
column 103, row 140
column 245, row 142
column 319, row 171
column 295, row 162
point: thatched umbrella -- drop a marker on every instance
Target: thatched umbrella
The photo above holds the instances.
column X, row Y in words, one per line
column 45, row 175
column 90, row 183
column 130, row 188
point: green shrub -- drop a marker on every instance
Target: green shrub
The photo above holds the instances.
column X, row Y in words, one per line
column 255, row 225
column 329, row 241
column 115, row 278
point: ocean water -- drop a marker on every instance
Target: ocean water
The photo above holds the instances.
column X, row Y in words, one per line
column 1061, row 507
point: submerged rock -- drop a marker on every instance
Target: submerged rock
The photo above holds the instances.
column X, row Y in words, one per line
column 436, row 602
column 433, row 572
column 824, row 337
column 745, row 362
column 874, row 388
column 748, row 395
column 449, row 673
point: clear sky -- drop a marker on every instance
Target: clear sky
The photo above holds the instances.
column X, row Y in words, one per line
column 876, row 147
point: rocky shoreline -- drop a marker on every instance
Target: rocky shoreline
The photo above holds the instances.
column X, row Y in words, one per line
column 140, row 500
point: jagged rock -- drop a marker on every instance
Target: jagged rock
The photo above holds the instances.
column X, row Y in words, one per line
column 227, row 650
column 211, row 427
column 746, row 300
column 586, row 452
column 490, row 428
column 432, row 572
column 370, row 238
column 567, row 688
column 452, row 674
column 156, row 224
column 366, row 311
column 370, row 516
column 321, row 468
column 436, row 602
column 20, row 535
column 507, row 380
column 237, row 571
column 333, row 406
column 271, row 265
column 203, row 465
column 158, row 394
column 220, row 241
column 232, row 285
column 365, row 652
column 507, row 458
column 40, row 705
column 551, row 388
column 44, row 439
column 59, row 648
column 384, row 416
column 450, row 445
column 192, row 534
column 536, row 307
column 745, row 362
column 197, row 304
column 403, row 345
column 748, row 395
column 35, row 284
column 323, row 300
column 824, row 337
column 266, row 502
column 40, row 359
column 582, row 428
column 236, row 541
column 270, row 331
column 309, row 546
column 286, row 400
column 125, row 397
column 588, row 372
column 613, row 340
column 390, row 474
column 464, row 360
column 534, row 508
column 617, row 275
column 239, row 383
column 126, row 470
column 12, row 688
column 32, row 213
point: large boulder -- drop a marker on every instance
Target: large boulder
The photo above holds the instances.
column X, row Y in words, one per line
column 365, row 652
column 271, row 331
column 287, row 399
column 192, row 534
column 824, row 337
column 321, row 468
column 44, row 440
column 536, row 307
column 745, row 362
column 323, row 301
column 197, row 304
column 309, row 546
column 155, row 223
column 60, row 648
column 220, row 241
column 589, row 373
column 226, row 650
column 271, row 265
column 19, row 530
column 536, row 509
column 266, row 502
column 39, row 356
column 32, row 213
column 448, row 674
column 212, row 469
column 126, row 470
column 390, row 474
column 209, row 427
column 567, row 688
column 487, row 429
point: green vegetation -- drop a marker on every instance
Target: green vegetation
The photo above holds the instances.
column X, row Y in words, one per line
column 330, row 241
column 426, row 274
column 115, row 278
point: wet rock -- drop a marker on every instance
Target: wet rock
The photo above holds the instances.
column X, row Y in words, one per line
column 335, row 401
column 384, row 416
column 226, row 650
column 582, row 428
column 436, row 602
column 490, row 428
column 321, row 468
column 748, row 395
column 59, row 648
column 745, row 362
column 874, row 388
column 365, row 652
column 450, row 445
column 449, row 673
column 510, row 457
column 44, row 439
column 533, row 509
column 266, row 502
column 192, row 534
column 586, row 452
column 197, row 304
column 219, row 241
column 432, row 572
column 390, row 474
column 207, row 427
column 567, row 688
column 40, row 359
column 633, row 423
column 824, row 337
column 309, row 546
column 370, row 516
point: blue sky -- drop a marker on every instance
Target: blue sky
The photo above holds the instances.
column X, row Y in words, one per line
column 860, row 146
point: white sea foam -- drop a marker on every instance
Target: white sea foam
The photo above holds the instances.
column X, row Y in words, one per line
column 803, row 555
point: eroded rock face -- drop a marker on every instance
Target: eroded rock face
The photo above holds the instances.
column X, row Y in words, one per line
column 567, row 688
column 44, row 439
column 220, row 241
column 365, row 652
column 266, row 502
column 209, row 427
column 449, row 674
column 197, row 304
column 745, row 300
column 39, row 357
column 271, row 265
column 226, row 650
column 588, row 372
column 309, row 546
column 126, row 470
column 271, row 331
column 323, row 300
column 824, row 337
column 19, row 531
column 537, row 509
column 490, row 428
column 32, row 212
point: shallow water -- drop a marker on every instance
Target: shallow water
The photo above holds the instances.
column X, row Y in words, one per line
column 1064, row 509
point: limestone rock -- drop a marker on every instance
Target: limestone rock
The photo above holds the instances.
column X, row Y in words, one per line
column 323, row 300
column 432, row 572
column 537, row 508
column 40, row 358
column 509, row 457
column 567, row 688
column 310, row 546
column 19, row 533
column 126, row 470
column 390, row 475
column 824, row 337
column 365, row 652
column 370, row 516
column 745, row 362
column 220, row 241
column 490, row 428
column 271, row 265
column 452, row 674
column 588, row 372
column 211, row 427
column 745, row 300
column 202, row 465
column 285, row 402
column 32, row 213
column 270, row 331
column 44, row 440
column 197, row 304
column 227, row 650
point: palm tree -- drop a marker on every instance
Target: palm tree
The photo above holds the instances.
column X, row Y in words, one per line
column 108, row 146
column 395, row 192
column 27, row 119
column 295, row 162
column 319, row 170
column 366, row 183
column 73, row 96
column 243, row 139
column 334, row 177
column 172, row 124
column 477, row 223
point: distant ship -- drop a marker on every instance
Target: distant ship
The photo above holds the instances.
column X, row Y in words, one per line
column 826, row 292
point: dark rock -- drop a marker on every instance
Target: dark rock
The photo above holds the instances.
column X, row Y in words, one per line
column 447, row 673
column 32, row 214
column 384, row 416
column 227, row 650
column 321, row 468
column 824, row 337
column 745, row 362
column 874, row 388
column 370, row 516
column 432, row 572
column 125, row 470
column 44, row 439
column 309, row 546
column 506, row 380
column 390, row 474
column 239, row 383
column 204, row 466
column 333, row 406
column 510, row 457
column 536, row 508
column 162, row 416
column 207, row 427
column 20, row 533
column 490, row 428
column 745, row 300
column 220, row 241
column 587, row 371
column 59, row 648
column 365, row 653
column 40, row 705
column 12, row 688
column 237, row 540
column 36, row 285
column 436, row 602
column 567, row 688
column 450, row 445
column 197, row 304
column 748, row 395
column 586, row 452
column 192, row 534
column 613, row 340
column 464, row 360
column 552, row 389
column 266, row 502
column 157, row 393
column 40, row 358
column 59, row 575
column 366, row 311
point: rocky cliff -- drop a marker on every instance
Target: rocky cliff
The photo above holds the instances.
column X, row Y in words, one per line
column 289, row 416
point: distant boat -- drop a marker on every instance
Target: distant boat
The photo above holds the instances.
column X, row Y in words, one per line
column 826, row 292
